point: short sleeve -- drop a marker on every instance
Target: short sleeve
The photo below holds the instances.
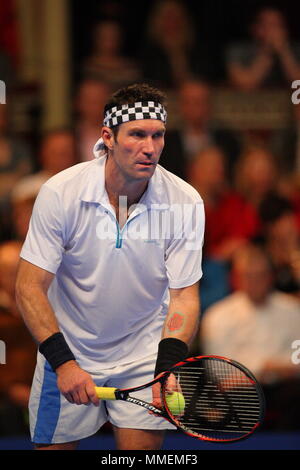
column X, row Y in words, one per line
column 184, row 255
column 44, row 242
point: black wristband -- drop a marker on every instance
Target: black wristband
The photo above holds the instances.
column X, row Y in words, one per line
column 170, row 351
column 56, row 350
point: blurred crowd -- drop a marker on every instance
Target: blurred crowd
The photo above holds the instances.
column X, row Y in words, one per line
column 249, row 181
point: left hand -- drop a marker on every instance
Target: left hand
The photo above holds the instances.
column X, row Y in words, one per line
column 171, row 386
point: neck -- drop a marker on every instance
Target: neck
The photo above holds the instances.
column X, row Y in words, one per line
column 116, row 185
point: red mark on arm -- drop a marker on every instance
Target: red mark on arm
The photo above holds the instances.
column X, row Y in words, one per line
column 175, row 322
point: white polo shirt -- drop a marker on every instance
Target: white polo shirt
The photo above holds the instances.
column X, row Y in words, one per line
column 110, row 293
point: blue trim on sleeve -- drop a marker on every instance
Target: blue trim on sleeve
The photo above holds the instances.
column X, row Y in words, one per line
column 49, row 408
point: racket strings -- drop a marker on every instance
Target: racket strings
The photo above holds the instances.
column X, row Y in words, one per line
column 221, row 401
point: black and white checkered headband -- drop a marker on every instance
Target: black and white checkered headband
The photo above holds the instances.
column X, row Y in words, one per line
column 129, row 112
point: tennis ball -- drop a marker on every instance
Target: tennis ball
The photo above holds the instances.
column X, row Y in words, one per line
column 176, row 403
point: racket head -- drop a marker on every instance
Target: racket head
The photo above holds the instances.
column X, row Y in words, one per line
column 223, row 402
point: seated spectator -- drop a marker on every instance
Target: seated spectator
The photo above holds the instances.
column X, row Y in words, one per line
column 57, row 151
column 268, row 58
column 256, row 174
column 256, row 326
column 91, row 97
column 107, row 61
column 281, row 239
column 171, row 53
column 230, row 220
column 197, row 130
column 17, row 372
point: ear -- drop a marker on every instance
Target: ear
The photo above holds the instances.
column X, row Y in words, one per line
column 108, row 137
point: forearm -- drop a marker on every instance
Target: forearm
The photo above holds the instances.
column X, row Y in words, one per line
column 290, row 66
column 37, row 312
column 249, row 77
column 182, row 319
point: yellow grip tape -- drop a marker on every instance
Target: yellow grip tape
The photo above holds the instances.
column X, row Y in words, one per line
column 106, row 393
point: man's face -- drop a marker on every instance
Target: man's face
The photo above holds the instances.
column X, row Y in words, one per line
column 137, row 148
column 195, row 105
column 269, row 22
column 253, row 277
column 91, row 100
column 58, row 153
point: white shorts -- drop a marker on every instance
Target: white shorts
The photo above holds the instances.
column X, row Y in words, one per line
column 54, row 420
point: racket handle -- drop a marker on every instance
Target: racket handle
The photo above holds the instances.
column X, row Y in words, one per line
column 106, row 393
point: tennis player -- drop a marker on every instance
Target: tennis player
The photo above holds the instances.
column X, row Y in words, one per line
column 108, row 279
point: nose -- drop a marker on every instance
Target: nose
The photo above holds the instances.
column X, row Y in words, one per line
column 148, row 148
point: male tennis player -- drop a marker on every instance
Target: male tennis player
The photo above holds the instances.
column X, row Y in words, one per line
column 108, row 279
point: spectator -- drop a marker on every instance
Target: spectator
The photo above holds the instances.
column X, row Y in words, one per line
column 256, row 174
column 57, row 152
column 171, row 53
column 256, row 326
column 89, row 104
column 107, row 61
column 282, row 242
column 197, row 130
column 17, row 372
column 269, row 58
column 230, row 220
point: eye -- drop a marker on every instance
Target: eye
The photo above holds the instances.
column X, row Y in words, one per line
column 158, row 135
column 139, row 134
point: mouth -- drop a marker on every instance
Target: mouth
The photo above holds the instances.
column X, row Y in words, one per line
column 146, row 164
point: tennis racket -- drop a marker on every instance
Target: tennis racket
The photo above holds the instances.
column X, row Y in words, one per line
column 210, row 398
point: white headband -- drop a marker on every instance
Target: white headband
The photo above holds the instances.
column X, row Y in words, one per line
column 130, row 112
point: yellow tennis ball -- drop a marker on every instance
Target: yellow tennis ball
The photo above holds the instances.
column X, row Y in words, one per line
column 176, row 403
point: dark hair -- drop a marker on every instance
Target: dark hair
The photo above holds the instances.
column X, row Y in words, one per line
column 133, row 93
column 273, row 207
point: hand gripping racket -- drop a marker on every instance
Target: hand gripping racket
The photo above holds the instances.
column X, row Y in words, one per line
column 210, row 398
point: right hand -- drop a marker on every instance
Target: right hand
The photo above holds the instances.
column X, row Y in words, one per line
column 76, row 385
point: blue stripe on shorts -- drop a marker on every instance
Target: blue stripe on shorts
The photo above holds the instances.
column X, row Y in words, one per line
column 49, row 408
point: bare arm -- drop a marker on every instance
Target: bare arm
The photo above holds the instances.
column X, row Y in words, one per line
column 181, row 323
column 250, row 77
column 31, row 294
column 183, row 315
column 289, row 63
